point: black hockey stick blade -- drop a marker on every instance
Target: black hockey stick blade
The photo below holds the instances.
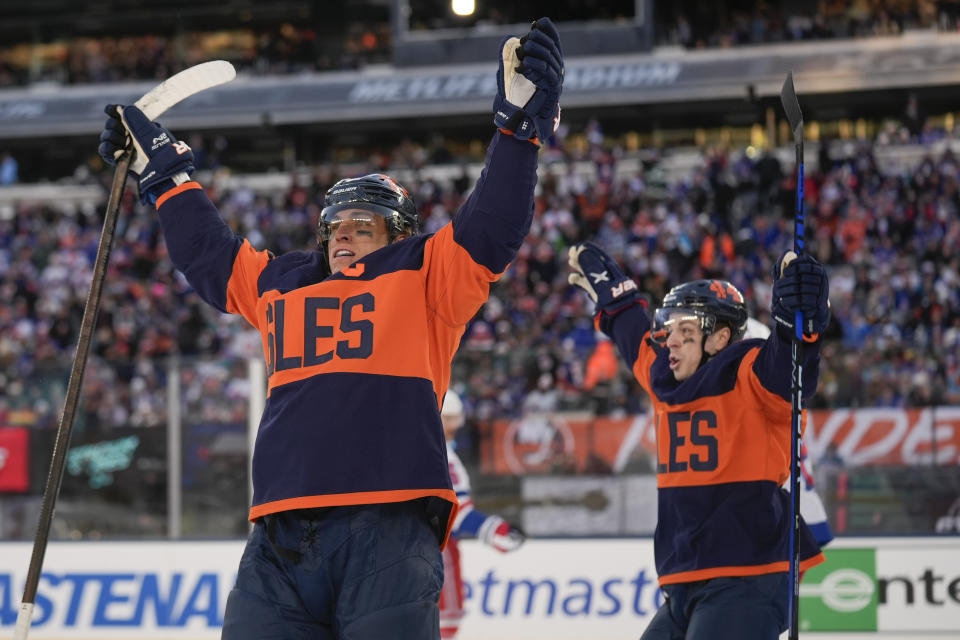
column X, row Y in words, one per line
column 788, row 97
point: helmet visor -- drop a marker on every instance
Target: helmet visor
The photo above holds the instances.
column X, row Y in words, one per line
column 686, row 320
column 362, row 215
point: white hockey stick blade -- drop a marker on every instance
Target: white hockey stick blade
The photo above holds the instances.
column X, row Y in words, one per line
column 183, row 85
column 23, row 621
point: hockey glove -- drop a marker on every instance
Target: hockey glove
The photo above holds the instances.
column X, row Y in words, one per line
column 501, row 535
column 160, row 161
column 598, row 274
column 801, row 284
column 529, row 82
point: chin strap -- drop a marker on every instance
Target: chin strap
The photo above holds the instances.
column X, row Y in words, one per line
column 703, row 350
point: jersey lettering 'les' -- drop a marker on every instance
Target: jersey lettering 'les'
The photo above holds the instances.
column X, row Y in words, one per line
column 357, row 360
column 723, row 450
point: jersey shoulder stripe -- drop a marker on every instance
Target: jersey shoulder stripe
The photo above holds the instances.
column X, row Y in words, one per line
column 248, row 264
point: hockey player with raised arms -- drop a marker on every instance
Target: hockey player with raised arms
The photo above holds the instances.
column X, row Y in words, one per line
column 491, row 529
column 352, row 495
column 722, row 417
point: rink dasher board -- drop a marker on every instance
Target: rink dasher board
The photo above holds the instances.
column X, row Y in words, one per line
column 556, row 589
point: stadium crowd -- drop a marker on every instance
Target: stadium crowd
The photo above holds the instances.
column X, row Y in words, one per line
column 730, row 23
column 891, row 241
column 292, row 48
column 284, row 49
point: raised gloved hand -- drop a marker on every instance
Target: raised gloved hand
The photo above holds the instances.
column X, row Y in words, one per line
column 801, row 284
column 501, row 535
column 160, row 161
column 599, row 275
column 529, row 83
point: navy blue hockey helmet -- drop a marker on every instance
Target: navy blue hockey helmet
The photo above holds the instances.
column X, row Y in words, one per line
column 376, row 192
column 712, row 303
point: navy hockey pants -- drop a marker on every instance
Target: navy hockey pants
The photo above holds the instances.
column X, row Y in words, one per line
column 364, row 572
column 748, row 608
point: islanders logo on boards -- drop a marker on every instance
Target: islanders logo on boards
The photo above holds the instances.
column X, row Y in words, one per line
column 538, row 442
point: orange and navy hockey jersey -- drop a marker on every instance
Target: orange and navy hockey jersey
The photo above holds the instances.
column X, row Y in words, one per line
column 356, row 361
column 723, row 450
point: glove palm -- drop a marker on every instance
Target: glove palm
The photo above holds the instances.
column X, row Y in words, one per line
column 599, row 275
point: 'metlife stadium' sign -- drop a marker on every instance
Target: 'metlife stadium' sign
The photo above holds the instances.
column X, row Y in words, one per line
column 661, row 77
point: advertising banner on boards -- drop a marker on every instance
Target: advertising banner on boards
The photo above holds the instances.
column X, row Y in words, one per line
column 541, row 443
column 593, row 589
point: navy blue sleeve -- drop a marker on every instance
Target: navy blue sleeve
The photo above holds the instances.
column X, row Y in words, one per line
column 200, row 244
column 774, row 365
column 626, row 329
column 494, row 220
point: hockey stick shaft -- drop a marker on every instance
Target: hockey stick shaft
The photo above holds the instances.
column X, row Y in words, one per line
column 62, row 442
column 791, row 106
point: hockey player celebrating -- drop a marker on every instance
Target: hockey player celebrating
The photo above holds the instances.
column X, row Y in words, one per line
column 492, row 530
column 722, row 415
column 352, row 495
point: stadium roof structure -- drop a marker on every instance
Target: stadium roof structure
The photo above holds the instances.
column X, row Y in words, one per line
column 831, row 74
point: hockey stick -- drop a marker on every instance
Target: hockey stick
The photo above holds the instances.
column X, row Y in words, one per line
column 788, row 96
column 153, row 104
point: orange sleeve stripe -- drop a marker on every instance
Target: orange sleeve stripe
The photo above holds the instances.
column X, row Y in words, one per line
column 776, row 408
column 646, row 356
column 456, row 262
column 732, row 572
column 361, row 497
column 186, row 186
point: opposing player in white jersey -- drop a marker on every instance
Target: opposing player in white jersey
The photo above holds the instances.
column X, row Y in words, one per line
column 811, row 506
column 492, row 530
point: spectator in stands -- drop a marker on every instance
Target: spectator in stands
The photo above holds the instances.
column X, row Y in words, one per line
column 896, row 302
column 8, row 169
column 602, row 369
column 914, row 119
